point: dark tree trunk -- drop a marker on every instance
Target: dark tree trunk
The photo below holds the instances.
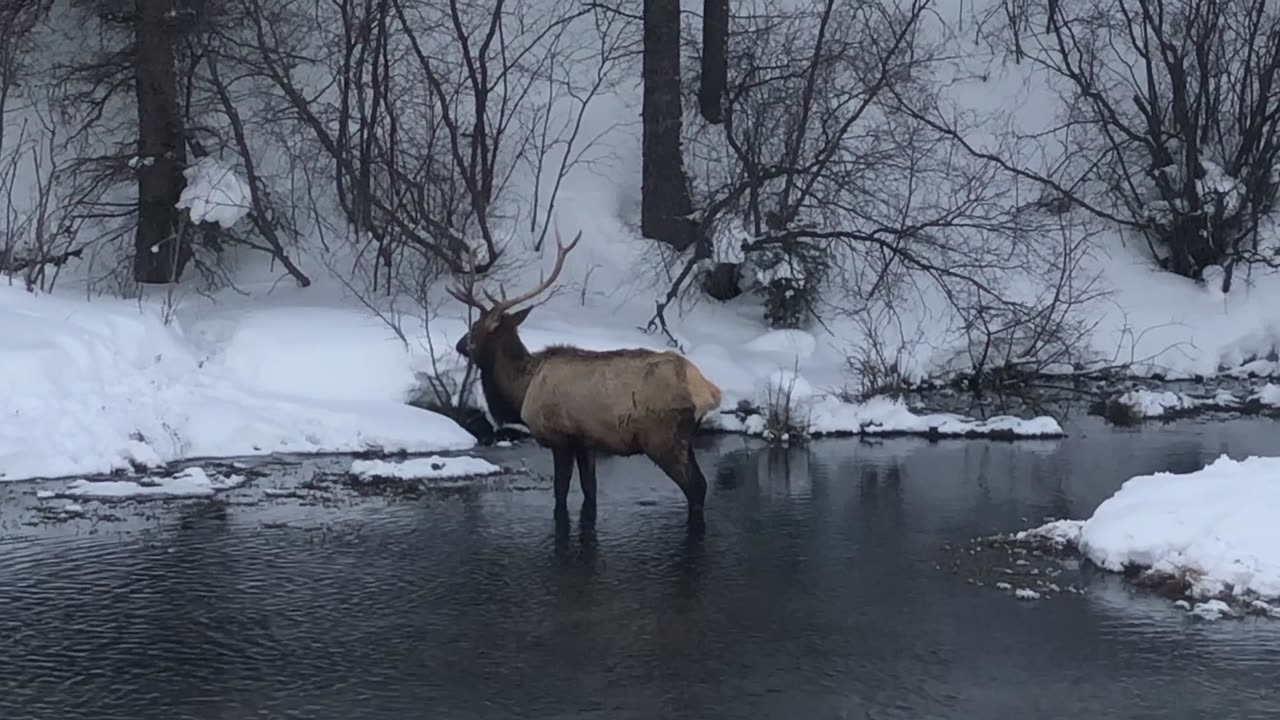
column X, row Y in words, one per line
column 665, row 205
column 715, row 59
column 161, row 250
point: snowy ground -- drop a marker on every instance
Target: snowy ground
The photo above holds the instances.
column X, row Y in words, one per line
column 1213, row 529
column 96, row 385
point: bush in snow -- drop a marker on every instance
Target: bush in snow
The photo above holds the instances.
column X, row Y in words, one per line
column 786, row 407
column 791, row 276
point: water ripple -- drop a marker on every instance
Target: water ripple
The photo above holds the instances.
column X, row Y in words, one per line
column 812, row 594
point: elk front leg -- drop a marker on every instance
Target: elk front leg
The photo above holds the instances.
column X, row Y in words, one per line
column 563, row 458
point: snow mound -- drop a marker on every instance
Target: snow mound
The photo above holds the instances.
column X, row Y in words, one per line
column 1268, row 395
column 1216, row 525
column 324, row 353
column 1215, row 528
column 94, row 387
column 434, row 467
column 193, row 482
column 1211, row 610
column 214, row 193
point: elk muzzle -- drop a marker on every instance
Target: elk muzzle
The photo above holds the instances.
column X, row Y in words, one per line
column 463, row 346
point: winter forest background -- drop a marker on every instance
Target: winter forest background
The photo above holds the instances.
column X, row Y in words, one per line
column 854, row 196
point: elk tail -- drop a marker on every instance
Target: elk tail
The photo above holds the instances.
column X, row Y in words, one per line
column 705, row 394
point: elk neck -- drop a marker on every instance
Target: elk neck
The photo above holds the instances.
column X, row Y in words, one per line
column 504, row 376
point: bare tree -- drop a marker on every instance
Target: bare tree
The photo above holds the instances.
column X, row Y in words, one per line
column 843, row 197
column 714, row 78
column 803, row 130
column 19, row 142
column 424, row 110
column 161, row 246
column 1174, row 111
column 666, row 208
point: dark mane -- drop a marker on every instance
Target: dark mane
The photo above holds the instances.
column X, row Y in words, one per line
column 502, row 408
column 569, row 351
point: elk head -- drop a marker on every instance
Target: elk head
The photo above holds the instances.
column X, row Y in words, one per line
column 496, row 326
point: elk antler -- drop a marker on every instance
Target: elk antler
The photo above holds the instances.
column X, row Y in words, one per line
column 466, row 294
column 561, row 251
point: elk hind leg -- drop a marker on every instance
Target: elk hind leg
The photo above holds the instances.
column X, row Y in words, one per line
column 673, row 452
column 562, row 456
column 587, row 476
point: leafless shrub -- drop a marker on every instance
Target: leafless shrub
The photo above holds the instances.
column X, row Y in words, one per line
column 787, row 414
column 1174, row 119
column 1019, row 338
column 879, row 361
column 424, row 111
column 38, row 235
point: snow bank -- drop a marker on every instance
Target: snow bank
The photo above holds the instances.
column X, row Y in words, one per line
column 1215, row 527
column 787, row 394
column 190, row 483
column 1161, row 403
column 93, row 387
column 214, row 193
column 434, row 467
column 888, row 416
column 1149, row 404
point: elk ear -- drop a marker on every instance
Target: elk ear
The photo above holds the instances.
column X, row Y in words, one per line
column 519, row 316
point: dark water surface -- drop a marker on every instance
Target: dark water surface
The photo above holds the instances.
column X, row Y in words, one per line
column 814, row 593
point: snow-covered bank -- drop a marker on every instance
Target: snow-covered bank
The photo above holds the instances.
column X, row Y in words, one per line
column 1166, row 403
column 90, row 387
column 95, row 386
column 825, row 415
column 1213, row 530
column 1147, row 404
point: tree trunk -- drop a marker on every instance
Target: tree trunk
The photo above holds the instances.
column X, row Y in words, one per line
column 715, row 59
column 665, row 207
column 161, row 249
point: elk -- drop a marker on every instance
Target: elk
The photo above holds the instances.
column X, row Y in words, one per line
column 580, row 403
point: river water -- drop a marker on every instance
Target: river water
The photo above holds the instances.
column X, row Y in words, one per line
column 814, row 592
